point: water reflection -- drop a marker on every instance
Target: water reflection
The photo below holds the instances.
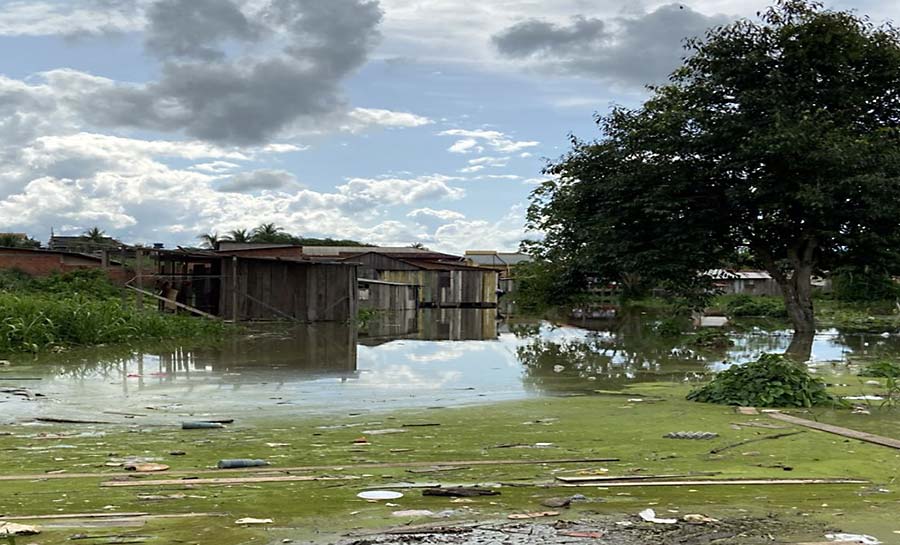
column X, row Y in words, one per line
column 437, row 357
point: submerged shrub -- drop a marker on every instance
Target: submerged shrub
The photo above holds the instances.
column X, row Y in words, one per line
column 710, row 339
column 755, row 306
column 771, row 381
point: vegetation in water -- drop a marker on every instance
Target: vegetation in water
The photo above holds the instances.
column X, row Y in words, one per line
column 811, row 92
column 771, row 381
column 755, row 306
column 82, row 308
column 710, row 339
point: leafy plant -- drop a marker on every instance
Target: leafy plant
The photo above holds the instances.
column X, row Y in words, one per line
column 883, row 368
column 738, row 306
column 771, row 381
column 710, row 339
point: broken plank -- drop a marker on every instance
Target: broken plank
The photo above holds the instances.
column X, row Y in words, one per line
column 224, row 480
column 77, row 516
column 754, row 440
column 837, row 430
column 332, row 467
column 52, row 420
column 603, row 478
column 717, row 482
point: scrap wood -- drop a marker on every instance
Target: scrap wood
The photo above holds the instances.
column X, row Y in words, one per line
column 764, row 425
column 459, row 492
column 77, row 516
column 225, row 480
column 714, row 482
column 604, row 478
column 754, row 440
column 332, row 467
column 837, row 430
column 53, row 420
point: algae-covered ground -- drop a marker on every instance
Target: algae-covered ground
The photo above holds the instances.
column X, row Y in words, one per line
column 63, row 468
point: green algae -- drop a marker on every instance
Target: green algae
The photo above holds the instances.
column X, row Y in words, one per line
column 539, row 429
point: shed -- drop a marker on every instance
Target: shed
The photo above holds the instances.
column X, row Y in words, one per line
column 744, row 282
column 392, row 296
column 270, row 288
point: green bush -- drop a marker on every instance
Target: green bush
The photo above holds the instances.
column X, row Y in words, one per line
column 738, row 306
column 771, row 381
column 709, row 338
column 674, row 326
column 863, row 286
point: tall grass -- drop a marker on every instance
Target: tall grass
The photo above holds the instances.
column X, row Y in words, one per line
column 82, row 309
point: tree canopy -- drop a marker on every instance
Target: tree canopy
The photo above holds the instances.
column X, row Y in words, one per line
column 777, row 136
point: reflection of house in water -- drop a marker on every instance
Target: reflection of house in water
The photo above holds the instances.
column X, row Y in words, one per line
column 431, row 325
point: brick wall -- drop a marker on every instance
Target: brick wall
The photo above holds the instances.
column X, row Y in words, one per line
column 47, row 263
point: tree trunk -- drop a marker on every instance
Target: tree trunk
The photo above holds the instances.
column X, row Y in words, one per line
column 801, row 345
column 796, row 287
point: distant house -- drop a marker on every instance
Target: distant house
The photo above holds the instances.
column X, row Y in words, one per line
column 502, row 262
column 84, row 245
column 251, row 249
column 46, row 262
column 744, row 282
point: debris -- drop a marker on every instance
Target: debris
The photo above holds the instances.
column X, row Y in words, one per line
column 457, row 492
column 586, row 535
column 754, row 440
column 177, row 453
column 384, row 432
column 145, row 467
column 559, row 368
column 864, row 398
column 436, row 469
column 277, row 445
column 524, row 516
column 764, row 425
column 361, row 441
column 723, row 482
column 836, row 430
column 224, row 480
column 853, row 538
column 699, row 519
column 556, row 503
column 749, row 411
column 413, row 513
column 10, row 530
column 377, row 495
column 606, row 478
column 239, row 463
column 702, row 435
column 201, row 425
column 649, row 515
column 250, row 521
column 51, row 420
column 420, row 425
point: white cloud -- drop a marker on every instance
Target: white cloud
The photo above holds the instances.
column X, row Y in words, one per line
column 363, row 118
column 445, row 215
column 470, row 140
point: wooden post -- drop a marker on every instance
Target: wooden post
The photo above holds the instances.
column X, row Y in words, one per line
column 139, row 270
column 234, row 289
column 104, row 260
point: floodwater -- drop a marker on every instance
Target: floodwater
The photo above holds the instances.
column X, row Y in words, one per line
column 436, row 358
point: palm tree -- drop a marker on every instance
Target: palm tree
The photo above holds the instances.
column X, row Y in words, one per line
column 267, row 232
column 210, row 240
column 418, row 246
column 95, row 234
column 239, row 235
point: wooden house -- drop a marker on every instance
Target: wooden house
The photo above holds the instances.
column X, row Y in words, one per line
column 256, row 288
column 390, row 296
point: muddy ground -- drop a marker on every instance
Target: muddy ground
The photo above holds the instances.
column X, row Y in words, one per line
column 606, row 530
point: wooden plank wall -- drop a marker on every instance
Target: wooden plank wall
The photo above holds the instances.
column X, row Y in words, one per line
column 389, row 297
column 308, row 292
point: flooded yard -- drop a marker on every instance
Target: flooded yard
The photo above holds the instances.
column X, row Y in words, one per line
column 432, row 358
column 436, row 398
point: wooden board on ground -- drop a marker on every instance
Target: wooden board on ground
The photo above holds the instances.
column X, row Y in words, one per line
column 837, row 430
column 332, row 467
column 225, row 480
column 717, row 482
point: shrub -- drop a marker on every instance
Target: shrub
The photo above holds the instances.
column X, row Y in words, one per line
column 674, row 326
column 755, row 306
column 771, row 381
column 710, row 339
column 863, row 286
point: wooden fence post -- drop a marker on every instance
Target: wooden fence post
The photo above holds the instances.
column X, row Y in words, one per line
column 139, row 270
column 234, row 289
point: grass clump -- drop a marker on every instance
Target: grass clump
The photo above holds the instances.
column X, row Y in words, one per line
column 881, row 369
column 81, row 308
column 710, row 339
column 771, row 381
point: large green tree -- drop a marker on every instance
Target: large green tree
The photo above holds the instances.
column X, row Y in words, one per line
column 777, row 135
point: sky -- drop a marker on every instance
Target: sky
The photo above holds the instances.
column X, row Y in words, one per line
column 387, row 121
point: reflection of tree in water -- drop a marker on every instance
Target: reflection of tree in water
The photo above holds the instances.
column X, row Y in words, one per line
column 630, row 351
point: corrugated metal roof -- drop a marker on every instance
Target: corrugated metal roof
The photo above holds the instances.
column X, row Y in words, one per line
column 725, row 274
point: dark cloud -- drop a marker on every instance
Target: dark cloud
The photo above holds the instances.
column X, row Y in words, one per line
column 631, row 51
column 194, row 28
column 534, row 37
column 244, row 98
column 258, row 180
